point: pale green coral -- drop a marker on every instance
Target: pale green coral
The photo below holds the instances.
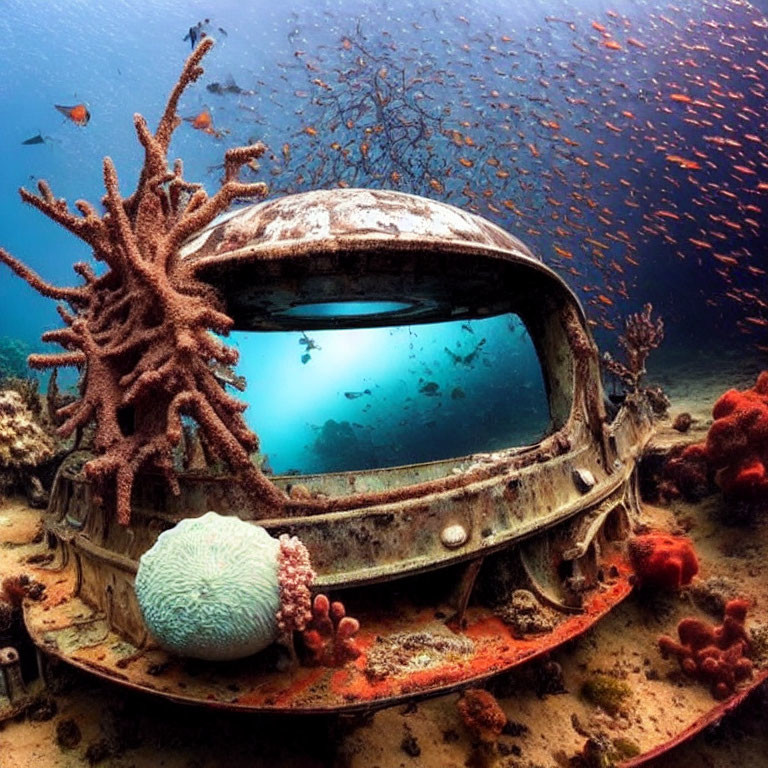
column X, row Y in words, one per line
column 208, row 588
column 607, row 692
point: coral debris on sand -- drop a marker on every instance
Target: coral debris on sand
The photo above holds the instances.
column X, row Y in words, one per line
column 716, row 655
column 142, row 330
column 662, row 561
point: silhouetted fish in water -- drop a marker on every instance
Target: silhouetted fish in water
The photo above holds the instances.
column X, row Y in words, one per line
column 226, row 375
column 355, row 395
column 467, row 359
column 457, row 393
column 228, row 86
column 199, row 31
column 39, row 139
column 430, row 389
column 308, row 345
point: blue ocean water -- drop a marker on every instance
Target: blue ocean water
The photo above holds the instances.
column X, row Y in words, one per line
column 625, row 142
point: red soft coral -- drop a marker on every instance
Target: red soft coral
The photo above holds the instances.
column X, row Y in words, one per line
column 736, row 449
column 329, row 637
column 716, row 655
column 737, row 443
column 662, row 561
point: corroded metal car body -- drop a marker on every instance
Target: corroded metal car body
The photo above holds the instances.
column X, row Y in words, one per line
column 427, row 549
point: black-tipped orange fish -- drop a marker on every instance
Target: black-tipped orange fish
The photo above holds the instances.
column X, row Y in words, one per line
column 78, row 114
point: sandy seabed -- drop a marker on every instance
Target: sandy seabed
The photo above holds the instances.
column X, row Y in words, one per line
column 119, row 729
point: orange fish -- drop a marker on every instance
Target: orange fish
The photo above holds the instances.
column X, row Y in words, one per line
column 612, row 45
column 204, row 122
column 78, row 114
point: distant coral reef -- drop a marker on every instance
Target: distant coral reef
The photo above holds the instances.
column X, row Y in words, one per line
column 13, row 358
column 24, row 444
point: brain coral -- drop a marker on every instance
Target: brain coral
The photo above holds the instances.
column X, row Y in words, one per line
column 208, row 588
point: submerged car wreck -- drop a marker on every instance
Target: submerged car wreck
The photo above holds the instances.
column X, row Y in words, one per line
column 548, row 518
column 454, row 570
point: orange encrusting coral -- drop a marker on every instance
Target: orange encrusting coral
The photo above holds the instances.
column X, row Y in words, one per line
column 142, row 330
column 663, row 562
column 717, row 655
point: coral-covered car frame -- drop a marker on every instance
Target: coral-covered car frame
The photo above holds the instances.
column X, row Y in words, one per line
column 423, row 555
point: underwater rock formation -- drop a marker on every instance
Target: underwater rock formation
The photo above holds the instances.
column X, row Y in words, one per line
column 142, row 330
column 24, row 444
column 481, row 714
column 715, row 655
column 211, row 587
column 661, row 561
column 686, row 473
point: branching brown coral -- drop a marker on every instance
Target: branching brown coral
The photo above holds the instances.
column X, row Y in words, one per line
column 641, row 335
column 142, row 330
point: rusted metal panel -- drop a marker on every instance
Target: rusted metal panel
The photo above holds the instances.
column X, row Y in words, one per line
column 448, row 656
column 409, row 545
column 713, row 716
column 363, row 245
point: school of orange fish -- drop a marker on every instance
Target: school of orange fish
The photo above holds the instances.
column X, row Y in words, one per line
column 606, row 140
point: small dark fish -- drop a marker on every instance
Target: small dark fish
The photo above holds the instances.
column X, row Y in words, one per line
column 467, row 359
column 226, row 375
column 355, row 395
column 195, row 33
column 308, row 343
column 457, row 393
column 34, row 140
column 430, row 389
column 228, row 86
column 305, row 358
column 199, row 31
